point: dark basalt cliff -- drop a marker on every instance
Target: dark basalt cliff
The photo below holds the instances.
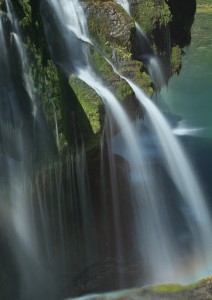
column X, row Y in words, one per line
column 182, row 19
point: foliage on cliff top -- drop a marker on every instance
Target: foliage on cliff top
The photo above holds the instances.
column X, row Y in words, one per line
column 151, row 15
column 204, row 6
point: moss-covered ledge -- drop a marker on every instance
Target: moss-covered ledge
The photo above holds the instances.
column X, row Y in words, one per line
column 155, row 18
column 128, row 67
column 197, row 291
column 150, row 14
column 113, row 34
column 91, row 103
column 110, row 28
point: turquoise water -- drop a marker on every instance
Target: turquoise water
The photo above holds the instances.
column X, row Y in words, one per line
column 189, row 97
column 190, row 93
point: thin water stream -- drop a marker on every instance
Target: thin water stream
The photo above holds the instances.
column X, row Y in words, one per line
column 175, row 160
column 50, row 214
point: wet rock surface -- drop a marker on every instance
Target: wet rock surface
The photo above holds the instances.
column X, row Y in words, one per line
column 202, row 290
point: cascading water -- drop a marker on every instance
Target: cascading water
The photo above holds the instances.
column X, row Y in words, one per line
column 185, row 179
column 14, row 193
column 144, row 50
column 159, row 245
column 199, row 225
column 32, row 222
column 49, row 215
column 147, row 189
column 29, row 85
column 125, row 5
column 36, row 281
column 187, row 183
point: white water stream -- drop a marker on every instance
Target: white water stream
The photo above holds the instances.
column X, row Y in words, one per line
column 158, row 246
column 155, row 238
column 153, row 63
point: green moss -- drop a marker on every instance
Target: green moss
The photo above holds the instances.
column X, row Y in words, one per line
column 121, row 52
column 141, row 78
column 47, row 85
column 99, row 34
column 204, row 6
column 150, row 14
column 144, row 15
column 168, row 288
column 27, row 19
column 164, row 15
column 104, row 22
column 197, row 290
column 117, row 85
column 176, row 60
column 90, row 102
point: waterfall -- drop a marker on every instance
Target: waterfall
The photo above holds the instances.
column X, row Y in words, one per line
column 16, row 150
column 47, row 215
column 144, row 51
column 154, row 231
column 184, row 177
column 28, row 82
column 147, row 189
column 125, row 5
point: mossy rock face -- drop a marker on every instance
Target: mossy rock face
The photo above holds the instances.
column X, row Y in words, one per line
column 104, row 70
column 150, row 14
column 112, row 32
column 197, row 291
column 176, row 60
column 110, row 28
column 91, row 103
column 167, row 23
column 129, row 68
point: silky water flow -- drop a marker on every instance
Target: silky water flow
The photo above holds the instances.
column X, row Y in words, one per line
column 159, row 245
column 33, row 243
column 34, row 215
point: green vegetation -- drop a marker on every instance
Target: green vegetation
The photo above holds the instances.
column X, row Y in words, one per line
column 164, row 15
column 197, row 291
column 116, row 84
column 177, row 291
column 170, row 288
column 176, row 60
column 27, row 19
column 46, row 79
column 204, row 6
column 105, row 24
column 150, row 16
column 112, row 32
column 90, row 102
